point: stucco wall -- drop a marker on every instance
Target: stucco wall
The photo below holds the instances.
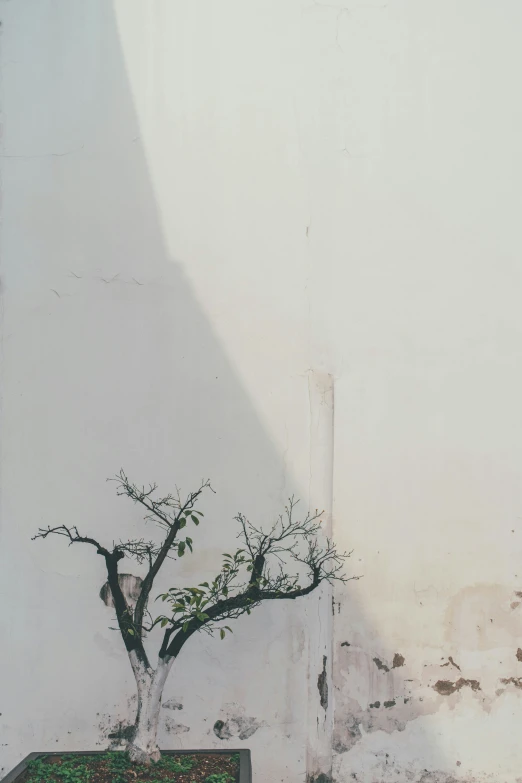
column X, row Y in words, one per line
column 274, row 243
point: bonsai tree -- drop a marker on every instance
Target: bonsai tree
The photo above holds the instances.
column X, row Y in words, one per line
column 257, row 571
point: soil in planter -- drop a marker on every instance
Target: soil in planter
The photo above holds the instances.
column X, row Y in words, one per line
column 116, row 768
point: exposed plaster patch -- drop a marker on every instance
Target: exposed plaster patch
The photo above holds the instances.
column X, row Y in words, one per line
column 391, row 701
column 398, row 660
column 130, row 587
column 519, row 654
column 348, row 729
column 446, row 688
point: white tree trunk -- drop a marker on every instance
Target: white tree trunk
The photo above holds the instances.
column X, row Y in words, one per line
column 143, row 749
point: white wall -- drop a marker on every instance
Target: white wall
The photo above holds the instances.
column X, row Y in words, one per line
column 209, row 209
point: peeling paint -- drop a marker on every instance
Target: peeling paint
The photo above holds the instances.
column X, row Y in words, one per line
column 398, row 661
column 446, row 687
column 516, row 681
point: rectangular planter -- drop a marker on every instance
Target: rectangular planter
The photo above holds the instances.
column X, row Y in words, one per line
column 245, row 764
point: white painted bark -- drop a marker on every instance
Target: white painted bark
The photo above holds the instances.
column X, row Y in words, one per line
column 143, row 748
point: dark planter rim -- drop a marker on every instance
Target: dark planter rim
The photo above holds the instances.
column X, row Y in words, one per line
column 245, row 764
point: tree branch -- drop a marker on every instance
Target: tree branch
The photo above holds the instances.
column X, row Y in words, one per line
column 73, row 536
column 171, row 513
column 131, row 638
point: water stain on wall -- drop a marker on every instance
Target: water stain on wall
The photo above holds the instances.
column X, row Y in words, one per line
column 481, row 617
column 171, row 727
column 172, row 704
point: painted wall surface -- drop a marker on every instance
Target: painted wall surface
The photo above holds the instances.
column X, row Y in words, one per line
column 275, row 243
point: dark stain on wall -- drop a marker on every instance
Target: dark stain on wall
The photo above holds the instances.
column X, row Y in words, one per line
column 321, row 778
column 322, row 686
column 398, row 660
column 236, row 725
column 123, row 733
column 221, row 730
column 380, row 665
column 172, row 704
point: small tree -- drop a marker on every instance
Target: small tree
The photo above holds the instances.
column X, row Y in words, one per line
column 245, row 580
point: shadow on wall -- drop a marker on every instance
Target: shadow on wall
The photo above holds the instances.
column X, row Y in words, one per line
column 118, row 365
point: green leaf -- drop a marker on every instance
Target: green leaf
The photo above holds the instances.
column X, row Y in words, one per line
column 182, row 523
column 204, row 584
column 189, row 543
column 225, row 591
column 222, row 633
column 130, row 631
column 248, row 611
column 164, row 622
column 228, row 628
column 194, row 519
column 185, row 626
column 181, row 549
